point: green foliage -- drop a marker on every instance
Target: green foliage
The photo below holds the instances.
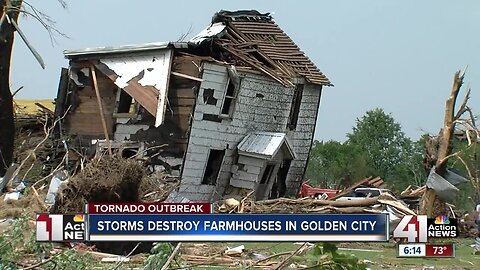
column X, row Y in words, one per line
column 70, row 259
column 34, row 247
column 329, row 258
column 18, row 242
column 158, row 257
column 377, row 146
column 382, row 140
column 9, row 241
column 332, row 164
column 469, row 192
column 410, row 170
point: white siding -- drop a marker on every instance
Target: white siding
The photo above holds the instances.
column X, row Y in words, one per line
column 261, row 105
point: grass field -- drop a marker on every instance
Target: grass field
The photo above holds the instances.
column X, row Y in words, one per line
column 28, row 105
column 375, row 255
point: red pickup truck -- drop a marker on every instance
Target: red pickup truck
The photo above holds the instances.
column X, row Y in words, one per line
column 320, row 193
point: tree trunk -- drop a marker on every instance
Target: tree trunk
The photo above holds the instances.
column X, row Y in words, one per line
column 439, row 149
column 7, row 126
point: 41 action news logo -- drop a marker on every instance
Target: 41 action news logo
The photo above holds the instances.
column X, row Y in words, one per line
column 420, row 228
column 60, row 227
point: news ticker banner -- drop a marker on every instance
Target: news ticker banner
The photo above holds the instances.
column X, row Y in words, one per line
column 419, row 250
column 195, row 222
column 238, row 227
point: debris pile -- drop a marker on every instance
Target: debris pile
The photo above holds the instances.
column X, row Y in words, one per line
column 29, row 203
column 219, row 254
column 412, row 195
column 467, row 225
column 374, row 182
column 311, row 205
column 157, row 186
column 412, row 192
column 104, row 179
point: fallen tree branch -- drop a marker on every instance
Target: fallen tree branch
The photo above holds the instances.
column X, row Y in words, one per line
column 344, row 210
column 172, row 256
column 40, row 201
column 128, row 255
column 44, row 262
column 284, row 262
column 47, row 131
column 270, row 257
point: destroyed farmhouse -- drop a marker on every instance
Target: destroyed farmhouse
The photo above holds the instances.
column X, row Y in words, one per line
column 231, row 110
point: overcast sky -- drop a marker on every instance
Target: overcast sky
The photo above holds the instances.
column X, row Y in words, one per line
column 397, row 55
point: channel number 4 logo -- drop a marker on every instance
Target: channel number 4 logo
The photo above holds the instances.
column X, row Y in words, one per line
column 412, row 228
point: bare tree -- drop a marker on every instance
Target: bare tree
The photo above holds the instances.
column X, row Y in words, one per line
column 8, row 9
column 439, row 148
column 9, row 12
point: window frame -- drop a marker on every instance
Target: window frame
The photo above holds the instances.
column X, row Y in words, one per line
column 295, row 107
column 206, row 166
column 131, row 115
column 232, row 98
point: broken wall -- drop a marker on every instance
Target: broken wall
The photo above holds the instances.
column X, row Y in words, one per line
column 179, row 110
column 302, row 136
column 83, row 120
column 261, row 105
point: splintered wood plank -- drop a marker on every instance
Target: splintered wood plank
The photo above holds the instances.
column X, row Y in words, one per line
column 147, row 96
column 100, row 107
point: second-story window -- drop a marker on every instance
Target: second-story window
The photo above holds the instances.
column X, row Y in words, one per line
column 295, row 108
column 229, row 100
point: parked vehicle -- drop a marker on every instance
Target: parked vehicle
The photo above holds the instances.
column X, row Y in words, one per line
column 362, row 193
column 307, row 190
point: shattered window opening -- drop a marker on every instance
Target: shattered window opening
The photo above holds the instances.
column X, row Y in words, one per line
column 211, row 117
column 215, row 159
column 208, row 97
column 267, row 173
column 126, row 105
column 295, row 108
column 228, row 101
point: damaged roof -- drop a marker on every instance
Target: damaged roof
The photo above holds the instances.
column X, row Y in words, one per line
column 264, row 145
column 123, row 49
column 256, row 39
column 251, row 37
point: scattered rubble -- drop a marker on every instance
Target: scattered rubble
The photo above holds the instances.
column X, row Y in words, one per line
column 311, row 205
column 412, row 192
column 375, row 182
column 153, row 140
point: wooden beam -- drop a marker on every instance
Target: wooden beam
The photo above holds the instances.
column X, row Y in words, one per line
column 45, row 109
column 163, row 92
column 29, row 45
column 147, row 96
column 100, row 107
column 186, row 76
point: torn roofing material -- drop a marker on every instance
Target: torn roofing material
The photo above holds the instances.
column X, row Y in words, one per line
column 213, row 30
column 87, row 52
column 136, row 73
column 253, row 38
column 257, row 40
column 265, row 145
